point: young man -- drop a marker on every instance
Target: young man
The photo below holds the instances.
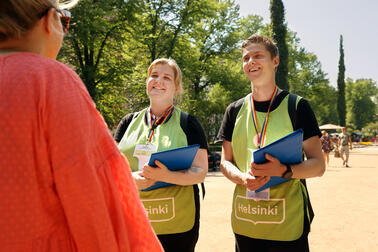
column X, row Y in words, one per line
column 275, row 219
column 344, row 141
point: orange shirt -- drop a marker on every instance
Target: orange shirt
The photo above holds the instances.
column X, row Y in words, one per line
column 64, row 186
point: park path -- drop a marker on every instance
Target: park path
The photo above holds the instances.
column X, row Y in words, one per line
column 345, row 201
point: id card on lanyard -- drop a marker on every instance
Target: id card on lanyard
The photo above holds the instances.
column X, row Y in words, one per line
column 262, row 195
column 143, row 153
column 259, row 141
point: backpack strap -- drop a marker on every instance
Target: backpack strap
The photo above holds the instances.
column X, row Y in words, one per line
column 121, row 129
column 184, row 125
column 184, row 121
column 135, row 115
column 292, row 108
column 310, row 210
column 235, row 111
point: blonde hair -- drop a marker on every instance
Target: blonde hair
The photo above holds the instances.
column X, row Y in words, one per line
column 176, row 70
column 17, row 17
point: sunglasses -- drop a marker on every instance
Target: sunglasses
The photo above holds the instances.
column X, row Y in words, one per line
column 64, row 15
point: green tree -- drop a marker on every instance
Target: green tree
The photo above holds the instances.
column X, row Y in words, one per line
column 252, row 24
column 94, row 48
column 211, row 40
column 210, row 109
column 279, row 30
column 371, row 130
column 307, row 79
column 341, row 108
column 112, row 42
column 223, row 79
column 161, row 24
column 194, row 33
column 360, row 105
column 322, row 98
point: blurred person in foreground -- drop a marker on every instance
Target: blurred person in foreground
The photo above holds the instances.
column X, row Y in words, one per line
column 64, row 186
column 277, row 218
column 173, row 210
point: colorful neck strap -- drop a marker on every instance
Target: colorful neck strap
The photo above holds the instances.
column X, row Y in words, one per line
column 261, row 136
column 153, row 123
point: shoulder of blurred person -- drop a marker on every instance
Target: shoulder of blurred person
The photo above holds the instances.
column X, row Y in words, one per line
column 54, row 122
column 26, row 68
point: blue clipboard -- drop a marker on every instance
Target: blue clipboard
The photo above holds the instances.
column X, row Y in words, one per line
column 176, row 160
column 287, row 149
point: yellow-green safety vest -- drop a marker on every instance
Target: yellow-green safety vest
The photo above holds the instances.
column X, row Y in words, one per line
column 170, row 209
column 281, row 217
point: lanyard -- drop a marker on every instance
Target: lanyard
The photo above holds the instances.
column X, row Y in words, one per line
column 153, row 123
column 261, row 136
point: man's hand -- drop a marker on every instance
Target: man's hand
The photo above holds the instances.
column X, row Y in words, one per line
column 254, row 183
column 271, row 168
column 232, row 172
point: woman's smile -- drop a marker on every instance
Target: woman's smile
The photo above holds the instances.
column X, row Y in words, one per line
column 161, row 82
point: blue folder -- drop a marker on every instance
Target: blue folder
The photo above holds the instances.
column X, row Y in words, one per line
column 287, row 149
column 176, row 160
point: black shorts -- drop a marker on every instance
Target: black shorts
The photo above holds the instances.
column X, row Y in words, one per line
column 183, row 242
column 247, row 244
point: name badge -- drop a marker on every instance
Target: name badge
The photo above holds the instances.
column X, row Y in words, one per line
column 262, row 195
column 143, row 153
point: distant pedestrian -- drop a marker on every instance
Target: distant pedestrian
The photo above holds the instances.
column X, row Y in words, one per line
column 345, row 143
column 326, row 145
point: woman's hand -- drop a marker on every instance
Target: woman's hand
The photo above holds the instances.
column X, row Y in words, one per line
column 254, row 183
column 160, row 172
column 141, row 181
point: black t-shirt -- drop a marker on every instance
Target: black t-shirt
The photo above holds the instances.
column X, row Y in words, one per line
column 194, row 133
column 304, row 116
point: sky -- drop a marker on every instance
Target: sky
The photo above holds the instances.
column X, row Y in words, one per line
column 319, row 23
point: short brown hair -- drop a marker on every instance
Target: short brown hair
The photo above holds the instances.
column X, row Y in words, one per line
column 17, row 17
column 269, row 44
column 176, row 70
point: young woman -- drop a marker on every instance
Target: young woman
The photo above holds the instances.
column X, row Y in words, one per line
column 174, row 210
